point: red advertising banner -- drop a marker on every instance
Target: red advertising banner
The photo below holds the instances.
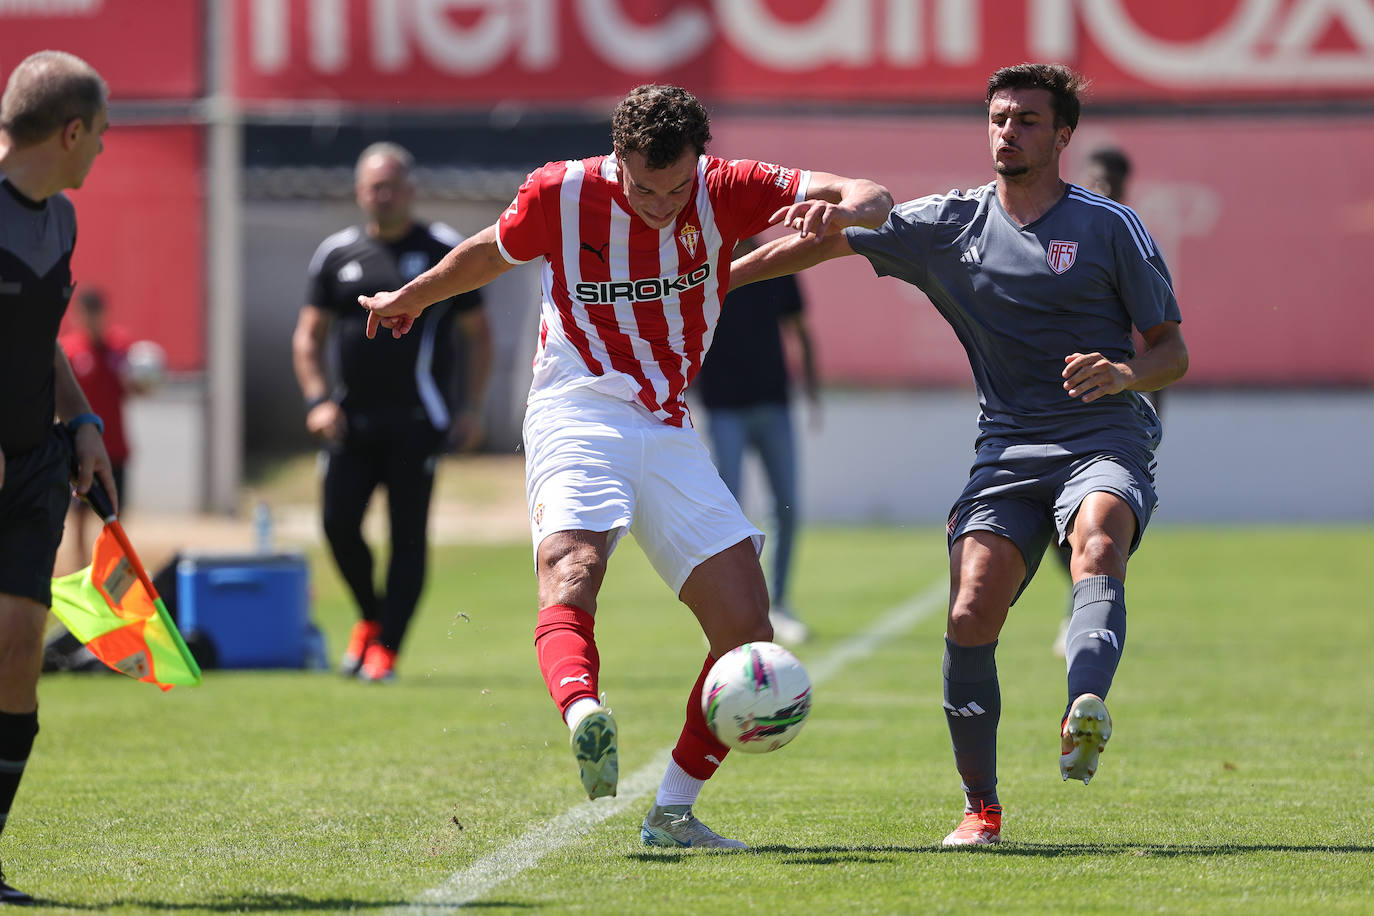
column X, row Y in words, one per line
column 141, row 237
column 144, row 50
column 488, row 51
column 1266, row 226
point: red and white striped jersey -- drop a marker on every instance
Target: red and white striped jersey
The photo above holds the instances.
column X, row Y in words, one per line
column 629, row 310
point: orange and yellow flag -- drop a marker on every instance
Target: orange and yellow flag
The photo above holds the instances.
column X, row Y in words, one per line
column 113, row 608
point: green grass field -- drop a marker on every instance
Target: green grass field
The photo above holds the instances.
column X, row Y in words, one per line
column 1240, row 777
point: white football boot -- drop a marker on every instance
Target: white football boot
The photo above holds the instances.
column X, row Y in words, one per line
column 1083, row 736
column 594, row 746
column 675, row 825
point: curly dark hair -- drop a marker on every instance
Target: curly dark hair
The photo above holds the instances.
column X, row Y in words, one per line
column 660, row 122
column 1059, row 81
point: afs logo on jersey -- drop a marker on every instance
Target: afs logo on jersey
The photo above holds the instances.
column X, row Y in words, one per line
column 688, row 236
column 1061, row 254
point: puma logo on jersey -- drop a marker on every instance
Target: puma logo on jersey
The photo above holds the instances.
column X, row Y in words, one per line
column 351, row 272
column 599, row 252
column 607, row 292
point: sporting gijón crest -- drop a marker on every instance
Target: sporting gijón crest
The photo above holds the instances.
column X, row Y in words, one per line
column 1061, row 254
column 688, row 236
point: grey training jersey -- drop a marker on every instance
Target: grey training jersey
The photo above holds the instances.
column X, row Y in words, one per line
column 1021, row 298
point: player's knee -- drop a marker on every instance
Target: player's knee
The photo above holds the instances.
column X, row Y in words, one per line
column 570, row 573
column 338, row 527
column 972, row 625
column 1100, row 554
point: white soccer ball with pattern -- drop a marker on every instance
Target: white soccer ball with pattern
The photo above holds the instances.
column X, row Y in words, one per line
column 756, row 697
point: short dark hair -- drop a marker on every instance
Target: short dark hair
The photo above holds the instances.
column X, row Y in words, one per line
column 660, row 122
column 1059, row 81
column 46, row 92
column 1113, row 160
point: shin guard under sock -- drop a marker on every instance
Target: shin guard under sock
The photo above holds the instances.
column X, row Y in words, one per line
column 567, row 653
column 698, row 751
column 17, row 731
column 973, row 706
column 1096, row 635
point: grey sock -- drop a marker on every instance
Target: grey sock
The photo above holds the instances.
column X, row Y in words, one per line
column 973, row 705
column 1097, row 635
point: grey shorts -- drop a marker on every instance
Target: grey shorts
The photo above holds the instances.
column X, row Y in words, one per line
column 1029, row 494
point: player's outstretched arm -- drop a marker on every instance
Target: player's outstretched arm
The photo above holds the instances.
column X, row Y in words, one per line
column 1089, row 376
column 473, row 263
column 787, row 255
column 833, row 203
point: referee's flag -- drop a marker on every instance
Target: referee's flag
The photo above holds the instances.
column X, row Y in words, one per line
column 112, row 607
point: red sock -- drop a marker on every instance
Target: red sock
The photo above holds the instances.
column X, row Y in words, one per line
column 567, row 653
column 698, row 751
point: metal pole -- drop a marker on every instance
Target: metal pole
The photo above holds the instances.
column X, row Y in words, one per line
column 224, row 300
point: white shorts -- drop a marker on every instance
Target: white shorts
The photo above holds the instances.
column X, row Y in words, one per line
column 597, row 463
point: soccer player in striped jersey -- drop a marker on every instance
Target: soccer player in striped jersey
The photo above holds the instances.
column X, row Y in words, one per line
column 1042, row 281
column 636, row 249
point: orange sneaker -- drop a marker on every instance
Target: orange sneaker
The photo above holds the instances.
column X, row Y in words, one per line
column 1082, row 736
column 979, row 828
column 365, row 633
column 379, row 665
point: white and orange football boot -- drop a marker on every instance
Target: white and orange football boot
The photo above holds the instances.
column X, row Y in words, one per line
column 1083, row 735
column 978, row 828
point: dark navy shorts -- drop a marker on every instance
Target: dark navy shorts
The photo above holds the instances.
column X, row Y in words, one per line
column 33, row 507
column 1029, row 494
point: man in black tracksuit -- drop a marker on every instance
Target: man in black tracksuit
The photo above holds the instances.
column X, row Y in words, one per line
column 382, row 412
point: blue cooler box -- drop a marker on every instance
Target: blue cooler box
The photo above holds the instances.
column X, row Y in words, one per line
column 254, row 608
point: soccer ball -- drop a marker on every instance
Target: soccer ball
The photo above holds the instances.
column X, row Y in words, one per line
column 147, row 365
column 756, row 697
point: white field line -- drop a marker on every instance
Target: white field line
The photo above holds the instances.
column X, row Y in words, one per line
column 496, row 868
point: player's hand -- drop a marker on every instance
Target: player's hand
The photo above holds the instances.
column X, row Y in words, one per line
column 385, row 310
column 92, row 461
column 809, row 218
column 1089, row 376
column 326, row 421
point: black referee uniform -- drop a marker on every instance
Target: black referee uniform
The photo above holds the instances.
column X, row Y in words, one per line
column 36, row 242
column 391, row 391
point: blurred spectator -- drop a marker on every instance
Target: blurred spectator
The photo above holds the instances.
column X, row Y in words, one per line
column 99, row 353
column 745, row 388
column 1106, row 172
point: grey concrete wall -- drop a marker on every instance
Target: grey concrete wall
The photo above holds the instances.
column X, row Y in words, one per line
column 902, row 457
